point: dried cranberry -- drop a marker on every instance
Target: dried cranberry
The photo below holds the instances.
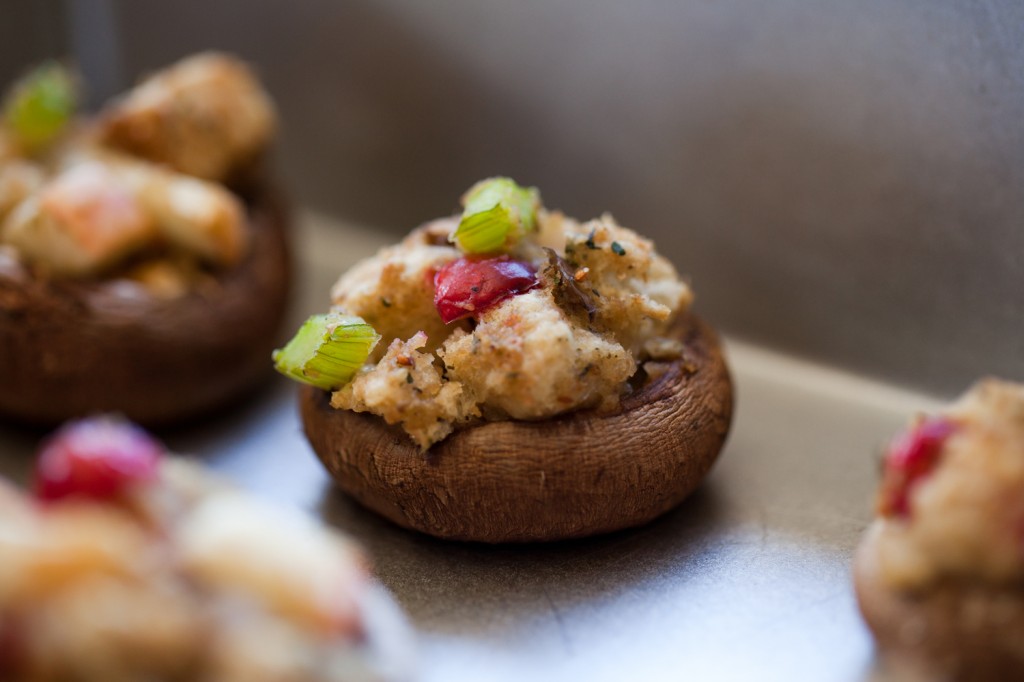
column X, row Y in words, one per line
column 911, row 457
column 468, row 286
column 95, row 458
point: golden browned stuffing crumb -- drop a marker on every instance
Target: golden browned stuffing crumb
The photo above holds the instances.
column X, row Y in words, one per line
column 203, row 117
column 527, row 360
column 405, row 387
column 393, row 291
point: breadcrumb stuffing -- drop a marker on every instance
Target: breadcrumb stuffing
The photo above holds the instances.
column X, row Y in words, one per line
column 527, row 359
column 570, row 344
column 966, row 519
column 202, row 116
column 393, row 291
column 405, row 388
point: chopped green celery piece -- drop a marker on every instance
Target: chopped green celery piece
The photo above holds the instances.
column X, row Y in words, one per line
column 497, row 213
column 327, row 351
column 40, row 105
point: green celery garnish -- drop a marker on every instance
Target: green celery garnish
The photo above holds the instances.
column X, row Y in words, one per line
column 497, row 213
column 327, row 351
column 40, row 105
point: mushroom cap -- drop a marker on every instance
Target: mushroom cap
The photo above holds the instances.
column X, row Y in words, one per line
column 70, row 348
column 571, row 476
column 953, row 630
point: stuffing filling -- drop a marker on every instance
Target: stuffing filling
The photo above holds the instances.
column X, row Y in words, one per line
column 559, row 321
column 952, row 497
column 128, row 565
column 136, row 193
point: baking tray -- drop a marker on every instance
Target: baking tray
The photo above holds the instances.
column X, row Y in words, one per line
column 749, row 579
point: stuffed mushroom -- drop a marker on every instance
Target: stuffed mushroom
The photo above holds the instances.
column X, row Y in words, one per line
column 125, row 563
column 512, row 374
column 940, row 573
column 143, row 254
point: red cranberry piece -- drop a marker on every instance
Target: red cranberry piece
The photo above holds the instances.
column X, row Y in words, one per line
column 911, row 457
column 96, row 458
column 468, row 286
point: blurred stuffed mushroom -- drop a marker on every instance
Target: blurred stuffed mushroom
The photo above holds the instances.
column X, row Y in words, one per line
column 126, row 562
column 144, row 264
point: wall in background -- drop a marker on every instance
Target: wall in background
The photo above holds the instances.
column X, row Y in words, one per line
column 843, row 179
column 30, row 30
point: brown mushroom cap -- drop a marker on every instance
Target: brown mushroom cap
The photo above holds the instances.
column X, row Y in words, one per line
column 516, row 481
column 955, row 630
column 69, row 348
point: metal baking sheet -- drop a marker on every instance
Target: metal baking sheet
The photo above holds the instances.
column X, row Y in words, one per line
column 748, row 580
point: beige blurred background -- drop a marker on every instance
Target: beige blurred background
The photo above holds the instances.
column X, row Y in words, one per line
column 841, row 179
